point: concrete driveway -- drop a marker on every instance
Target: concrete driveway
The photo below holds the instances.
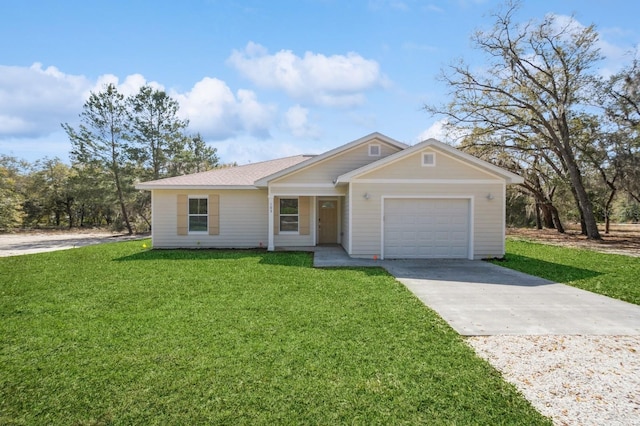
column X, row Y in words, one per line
column 478, row 298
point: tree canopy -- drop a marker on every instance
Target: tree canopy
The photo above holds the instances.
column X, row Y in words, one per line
column 119, row 140
column 535, row 101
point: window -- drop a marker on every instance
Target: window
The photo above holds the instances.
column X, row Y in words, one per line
column 374, row 150
column 428, row 159
column 198, row 214
column 288, row 215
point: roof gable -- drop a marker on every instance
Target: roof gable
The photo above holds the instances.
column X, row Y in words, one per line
column 373, row 137
column 481, row 166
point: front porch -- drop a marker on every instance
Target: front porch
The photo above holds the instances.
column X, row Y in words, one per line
column 300, row 221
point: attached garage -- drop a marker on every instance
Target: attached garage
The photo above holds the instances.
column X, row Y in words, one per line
column 427, row 228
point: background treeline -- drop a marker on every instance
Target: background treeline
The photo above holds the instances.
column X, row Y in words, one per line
column 120, row 141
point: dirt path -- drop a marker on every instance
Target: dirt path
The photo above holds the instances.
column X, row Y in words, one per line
column 38, row 242
column 622, row 239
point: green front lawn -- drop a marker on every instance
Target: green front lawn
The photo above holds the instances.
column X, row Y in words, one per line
column 612, row 275
column 118, row 334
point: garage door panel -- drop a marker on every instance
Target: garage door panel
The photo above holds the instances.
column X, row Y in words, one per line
column 443, row 236
column 426, row 228
column 443, row 220
column 407, row 235
column 425, row 235
column 459, row 236
column 459, row 221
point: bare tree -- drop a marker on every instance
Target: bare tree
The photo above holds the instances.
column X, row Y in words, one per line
column 621, row 96
column 536, row 80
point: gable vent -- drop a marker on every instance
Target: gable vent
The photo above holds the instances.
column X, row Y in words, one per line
column 428, row 159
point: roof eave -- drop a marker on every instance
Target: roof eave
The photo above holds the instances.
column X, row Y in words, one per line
column 193, row 187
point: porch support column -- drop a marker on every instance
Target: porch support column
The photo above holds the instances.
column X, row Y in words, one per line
column 270, row 246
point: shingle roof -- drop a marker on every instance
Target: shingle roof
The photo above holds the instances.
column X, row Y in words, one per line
column 244, row 175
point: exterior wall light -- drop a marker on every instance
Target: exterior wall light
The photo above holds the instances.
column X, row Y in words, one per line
column 489, row 196
column 366, row 196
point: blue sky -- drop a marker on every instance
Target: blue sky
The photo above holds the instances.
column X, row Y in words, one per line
column 258, row 79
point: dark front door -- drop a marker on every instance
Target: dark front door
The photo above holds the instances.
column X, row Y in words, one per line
column 327, row 221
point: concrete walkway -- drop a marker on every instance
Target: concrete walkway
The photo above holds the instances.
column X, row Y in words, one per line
column 478, row 298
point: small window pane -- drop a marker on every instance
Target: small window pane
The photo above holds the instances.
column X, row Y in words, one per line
column 288, row 206
column 289, row 223
column 328, row 205
column 197, row 223
column 197, row 206
column 198, row 215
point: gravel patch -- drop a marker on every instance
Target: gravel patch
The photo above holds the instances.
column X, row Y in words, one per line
column 574, row 380
column 33, row 242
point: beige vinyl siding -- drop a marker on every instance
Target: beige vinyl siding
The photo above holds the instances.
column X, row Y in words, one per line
column 446, row 167
column 295, row 190
column 487, row 221
column 304, row 236
column 214, row 214
column 242, row 218
column 328, row 170
column 293, row 240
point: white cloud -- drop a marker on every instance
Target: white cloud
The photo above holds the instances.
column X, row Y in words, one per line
column 296, row 121
column 130, row 86
column 35, row 100
column 337, row 80
column 217, row 113
column 442, row 131
column 255, row 117
column 615, row 56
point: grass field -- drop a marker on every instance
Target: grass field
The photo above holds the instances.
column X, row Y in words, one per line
column 612, row 275
column 118, row 334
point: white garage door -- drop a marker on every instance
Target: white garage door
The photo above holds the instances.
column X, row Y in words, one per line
column 426, row 228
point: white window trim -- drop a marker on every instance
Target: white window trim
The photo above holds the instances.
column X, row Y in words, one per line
column 376, row 145
column 424, row 155
column 281, row 232
column 197, row 197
